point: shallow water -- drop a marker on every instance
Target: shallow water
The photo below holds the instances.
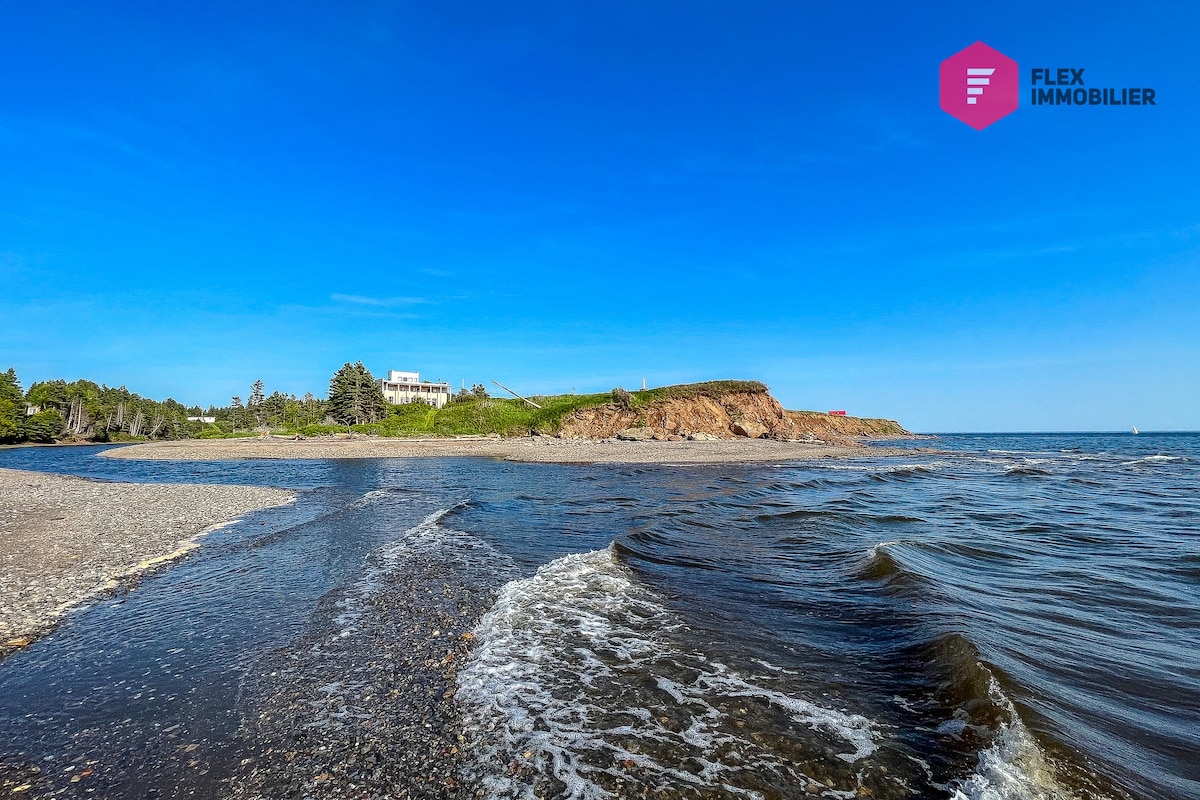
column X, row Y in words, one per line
column 1018, row 616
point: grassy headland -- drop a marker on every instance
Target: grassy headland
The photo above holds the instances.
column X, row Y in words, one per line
column 512, row 417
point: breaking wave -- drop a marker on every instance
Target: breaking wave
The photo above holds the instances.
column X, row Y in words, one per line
column 1014, row 767
column 582, row 686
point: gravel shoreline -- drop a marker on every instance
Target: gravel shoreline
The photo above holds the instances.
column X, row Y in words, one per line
column 64, row 540
column 365, row 708
column 543, row 449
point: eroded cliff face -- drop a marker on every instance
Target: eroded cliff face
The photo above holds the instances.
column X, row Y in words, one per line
column 861, row 427
column 753, row 415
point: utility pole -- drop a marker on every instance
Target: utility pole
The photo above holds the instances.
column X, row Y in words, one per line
column 514, row 394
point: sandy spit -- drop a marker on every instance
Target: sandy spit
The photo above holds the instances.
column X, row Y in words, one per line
column 546, row 449
column 64, row 540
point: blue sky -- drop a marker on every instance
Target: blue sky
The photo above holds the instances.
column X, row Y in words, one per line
column 580, row 195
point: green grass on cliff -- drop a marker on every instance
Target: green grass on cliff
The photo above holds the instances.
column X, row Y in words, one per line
column 474, row 417
column 493, row 415
column 686, row 391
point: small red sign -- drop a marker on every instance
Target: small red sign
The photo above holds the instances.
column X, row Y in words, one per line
column 837, row 413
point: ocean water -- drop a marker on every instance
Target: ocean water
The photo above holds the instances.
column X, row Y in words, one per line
column 1015, row 616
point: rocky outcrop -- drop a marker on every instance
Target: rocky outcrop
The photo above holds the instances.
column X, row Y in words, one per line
column 741, row 414
column 749, row 429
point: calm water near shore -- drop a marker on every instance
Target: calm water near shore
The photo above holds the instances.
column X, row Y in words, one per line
column 1017, row 617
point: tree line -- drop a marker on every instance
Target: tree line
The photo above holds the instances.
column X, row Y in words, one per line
column 84, row 410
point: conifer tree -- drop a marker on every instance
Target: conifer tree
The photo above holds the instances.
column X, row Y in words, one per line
column 255, row 401
column 235, row 411
column 354, row 397
column 12, row 407
column 44, row 426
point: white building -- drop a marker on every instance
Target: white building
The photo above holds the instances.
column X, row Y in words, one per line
column 407, row 387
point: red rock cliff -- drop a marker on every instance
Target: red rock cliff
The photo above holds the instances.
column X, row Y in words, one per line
column 754, row 415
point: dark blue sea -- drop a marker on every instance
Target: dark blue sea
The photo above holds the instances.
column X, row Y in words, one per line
column 1015, row 616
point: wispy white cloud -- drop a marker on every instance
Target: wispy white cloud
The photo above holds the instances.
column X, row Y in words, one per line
column 382, row 302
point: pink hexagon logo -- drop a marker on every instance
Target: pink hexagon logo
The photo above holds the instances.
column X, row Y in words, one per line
column 979, row 85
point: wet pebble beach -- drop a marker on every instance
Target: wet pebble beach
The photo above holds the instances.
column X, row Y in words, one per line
column 363, row 705
column 64, row 540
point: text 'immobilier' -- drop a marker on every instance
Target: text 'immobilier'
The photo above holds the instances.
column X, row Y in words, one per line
column 1065, row 87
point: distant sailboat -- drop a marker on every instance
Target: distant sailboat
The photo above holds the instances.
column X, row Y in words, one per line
column 1135, row 430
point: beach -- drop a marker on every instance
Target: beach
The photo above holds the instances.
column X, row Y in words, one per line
column 543, row 449
column 64, row 540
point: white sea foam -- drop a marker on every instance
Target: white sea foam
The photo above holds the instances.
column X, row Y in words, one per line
column 927, row 466
column 372, row 497
column 580, row 677
column 1014, row 767
column 1156, row 459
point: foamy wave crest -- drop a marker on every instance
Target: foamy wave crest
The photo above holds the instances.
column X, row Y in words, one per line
column 1158, row 459
column 873, row 550
column 1014, row 767
column 581, row 687
column 377, row 496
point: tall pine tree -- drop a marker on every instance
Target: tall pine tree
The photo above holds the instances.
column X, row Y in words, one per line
column 12, row 407
column 354, row 397
column 235, row 412
column 255, row 401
